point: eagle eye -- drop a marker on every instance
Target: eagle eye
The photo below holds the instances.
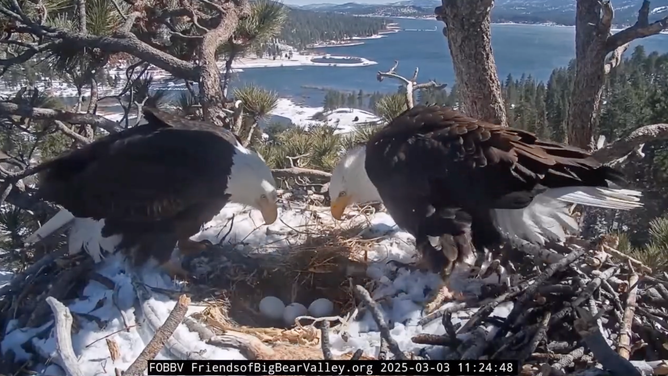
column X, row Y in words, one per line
column 263, row 196
column 342, row 194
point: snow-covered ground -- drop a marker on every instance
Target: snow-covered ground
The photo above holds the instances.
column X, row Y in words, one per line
column 342, row 118
column 399, row 293
column 300, row 60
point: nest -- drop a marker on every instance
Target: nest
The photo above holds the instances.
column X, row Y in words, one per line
column 323, row 266
column 576, row 307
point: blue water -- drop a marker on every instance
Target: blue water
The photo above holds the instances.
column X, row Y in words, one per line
column 531, row 49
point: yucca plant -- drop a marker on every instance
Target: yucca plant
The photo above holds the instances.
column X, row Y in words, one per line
column 390, row 106
column 360, row 134
column 258, row 103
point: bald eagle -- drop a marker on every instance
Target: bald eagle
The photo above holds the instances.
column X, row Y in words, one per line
column 458, row 184
column 147, row 188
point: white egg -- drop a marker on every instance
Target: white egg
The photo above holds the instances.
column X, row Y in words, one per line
column 272, row 307
column 321, row 307
column 293, row 311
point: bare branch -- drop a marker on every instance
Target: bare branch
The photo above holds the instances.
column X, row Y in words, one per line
column 7, row 108
column 71, row 134
column 411, row 84
column 625, row 332
column 299, row 171
column 393, row 346
column 65, row 356
column 392, row 74
column 161, row 336
column 616, row 58
column 626, row 145
column 641, row 29
column 119, row 10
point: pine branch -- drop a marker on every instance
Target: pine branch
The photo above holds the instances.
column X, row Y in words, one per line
column 36, row 113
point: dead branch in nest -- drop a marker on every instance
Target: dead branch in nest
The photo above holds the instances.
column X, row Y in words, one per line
column 636, row 264
column 393, row 346
column 20, row 278
column 587, row 327
column 161, row 336
column 324, row 340
column 411, row 84
column 65, row 356
column 624, row 347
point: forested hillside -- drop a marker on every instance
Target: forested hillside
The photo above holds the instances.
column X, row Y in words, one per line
column 303, row 27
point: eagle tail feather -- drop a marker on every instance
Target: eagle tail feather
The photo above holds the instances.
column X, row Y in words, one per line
column 63, row 218
column 601, row 197
column 544, row 219
column 86, row 234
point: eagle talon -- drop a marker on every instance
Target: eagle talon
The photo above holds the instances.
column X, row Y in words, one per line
column 175, row 270
column 189, row 247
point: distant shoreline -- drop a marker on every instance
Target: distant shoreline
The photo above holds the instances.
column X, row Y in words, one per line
column 433, row 18
column 391, row 29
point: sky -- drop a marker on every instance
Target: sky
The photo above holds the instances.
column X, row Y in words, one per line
column 304, row 2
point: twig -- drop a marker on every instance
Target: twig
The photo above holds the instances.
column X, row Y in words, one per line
column 636, row 264
column 324, row 341
column 364, row 295
column 594, row 285
column 539, row 336
column 161, row 336
column 624, row 347
column 65, row 356
column 109, row 335
column 299, row 171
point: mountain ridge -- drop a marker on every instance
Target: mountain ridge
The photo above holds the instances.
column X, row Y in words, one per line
column 560, row 12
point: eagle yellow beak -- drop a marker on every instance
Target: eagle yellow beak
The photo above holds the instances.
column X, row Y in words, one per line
column 269, row 210
column 339, row 206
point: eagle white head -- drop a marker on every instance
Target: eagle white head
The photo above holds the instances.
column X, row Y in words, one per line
column 251, row 183
column 350, row 183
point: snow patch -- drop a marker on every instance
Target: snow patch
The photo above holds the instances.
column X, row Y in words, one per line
column 344, row 119
column 400, row 293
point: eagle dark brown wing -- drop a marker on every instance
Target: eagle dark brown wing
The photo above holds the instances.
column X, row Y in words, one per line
column 439, row 172
column 147, row 173
column 516, row 159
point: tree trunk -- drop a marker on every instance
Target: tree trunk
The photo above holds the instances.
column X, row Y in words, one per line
column 468, row 30
column 211, row 91
column 593, row 42
column 590, row 53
